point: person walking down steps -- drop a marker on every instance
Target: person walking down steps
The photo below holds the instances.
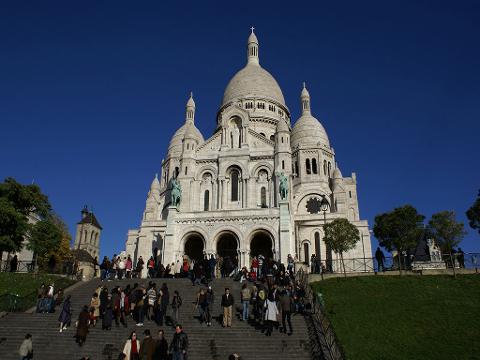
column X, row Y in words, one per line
column 227, row 304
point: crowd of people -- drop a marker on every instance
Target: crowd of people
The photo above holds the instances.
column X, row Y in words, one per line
column 269, row 296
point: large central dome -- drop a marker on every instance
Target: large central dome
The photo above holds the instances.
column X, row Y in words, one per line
column 253, row 81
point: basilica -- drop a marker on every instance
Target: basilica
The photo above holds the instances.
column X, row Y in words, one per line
column 260, row 184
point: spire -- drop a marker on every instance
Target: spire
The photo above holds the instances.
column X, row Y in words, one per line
column 305, row 100
column 252, row 48
column 155, row 183
column 190, row 110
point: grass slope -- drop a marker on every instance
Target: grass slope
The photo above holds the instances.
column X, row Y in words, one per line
column 26, row 285
column 408, row 317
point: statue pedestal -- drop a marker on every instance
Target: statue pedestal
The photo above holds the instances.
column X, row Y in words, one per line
column 169, row 251
column 285, row 232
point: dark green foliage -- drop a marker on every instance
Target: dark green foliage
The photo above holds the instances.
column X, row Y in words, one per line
column 446, row 231
column 17, row 203
column 13, row 227
column 473, row 214
column 399, row 229
column 409, row 317
column 44, row 237
column 341, row 235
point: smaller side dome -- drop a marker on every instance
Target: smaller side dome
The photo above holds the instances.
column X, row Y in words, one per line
column 308, row 131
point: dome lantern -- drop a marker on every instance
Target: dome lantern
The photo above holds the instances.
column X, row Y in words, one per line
column 190, row 110
column 305, row 100
column 252, row 48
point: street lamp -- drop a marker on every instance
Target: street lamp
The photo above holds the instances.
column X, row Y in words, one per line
column 324, row 206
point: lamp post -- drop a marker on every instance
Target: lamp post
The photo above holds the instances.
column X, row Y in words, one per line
column 324, row 206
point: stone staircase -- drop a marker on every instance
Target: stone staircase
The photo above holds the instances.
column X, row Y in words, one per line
column 215, row 342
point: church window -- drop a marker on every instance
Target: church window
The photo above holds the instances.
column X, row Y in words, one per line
column 296, row 168
column 261, row 105
column 271, row 108
column 309, row 170
column 272, row 137
column 206, row 200
column 329, row 168
column 306, row 253
column 314, row 166
column 350, row 194
column 186, row 170
column 282, row 139
column 324, row 167
column 177, row 171
column 263, row 197
column 283, row 164
column 262, row 134
column 234, row 179
column 188, row 146
column 317, row 244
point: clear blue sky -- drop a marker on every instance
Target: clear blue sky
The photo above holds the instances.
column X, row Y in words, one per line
column 91, row 92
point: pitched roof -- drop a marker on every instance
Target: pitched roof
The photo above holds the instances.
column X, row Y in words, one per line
column 83, row 255
column 90, row 219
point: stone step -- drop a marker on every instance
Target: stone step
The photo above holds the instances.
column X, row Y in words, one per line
column 206, row 343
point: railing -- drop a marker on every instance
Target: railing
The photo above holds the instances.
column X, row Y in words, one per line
column 324, row 343
column 469, row 261
column 13, row 302
column 22, row 266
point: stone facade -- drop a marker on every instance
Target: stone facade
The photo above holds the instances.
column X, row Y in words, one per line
column 88, row 232
column 230, row 202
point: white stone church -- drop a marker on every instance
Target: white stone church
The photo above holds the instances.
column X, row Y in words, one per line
column 230, row 200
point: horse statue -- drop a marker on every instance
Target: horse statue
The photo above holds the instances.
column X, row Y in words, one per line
column 283, row 180
column 176, row 193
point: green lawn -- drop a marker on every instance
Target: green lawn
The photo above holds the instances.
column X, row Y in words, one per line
column 26, row 285
column 405, row 317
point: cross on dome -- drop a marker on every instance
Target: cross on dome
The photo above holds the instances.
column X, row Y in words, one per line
column 252, row 28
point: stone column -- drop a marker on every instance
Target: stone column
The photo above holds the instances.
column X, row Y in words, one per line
column 284, row 241
column 170, row 249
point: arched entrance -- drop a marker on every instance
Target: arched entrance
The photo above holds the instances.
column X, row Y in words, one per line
column 227, row 245
column 261, row 244
column 194, row 245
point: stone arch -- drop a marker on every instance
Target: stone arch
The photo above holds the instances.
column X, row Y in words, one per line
column 232, row 112
column 206, row 168
column 262, row 165
column 227, row 243
column 262, row 239
column 230, row 164
column 192, row 229
column 193, row 245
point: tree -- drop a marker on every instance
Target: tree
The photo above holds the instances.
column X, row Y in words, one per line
column 447, row 232
column 473, row 214
column 399, row 229
column 341, row 236
column 62, row 251
column 44, row 237
column 17, row 202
